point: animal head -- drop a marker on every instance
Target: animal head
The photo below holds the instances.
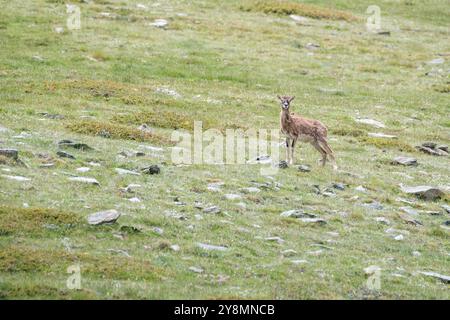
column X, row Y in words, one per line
column 285, row 101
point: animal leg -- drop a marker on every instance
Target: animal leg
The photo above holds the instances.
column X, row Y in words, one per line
column 321, row 150
column 329, row 151
column 294, row 141
column 287, row 150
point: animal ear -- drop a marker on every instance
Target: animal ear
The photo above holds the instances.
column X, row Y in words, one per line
column 292, row 98
column 279, row 98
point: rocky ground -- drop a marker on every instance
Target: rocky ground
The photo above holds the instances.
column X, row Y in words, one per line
column 87, row 181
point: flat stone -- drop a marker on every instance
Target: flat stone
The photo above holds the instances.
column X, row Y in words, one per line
column 436, row 61
column 63, row 154
column 299, row 261
column 125, row 171
column 75, row 145
column 373, row 205
column 446, row 208
column 83, row 169
column 212, row 210
column 85, row 180
column 409, row 210
column 381, row 135
column 159, row 23
column 215, row 186
column 250, row 190
column 406, row 161
column 313, row 220
column 382, row 220
column 277, row 239
column 443, row 278
column 304, row 168
column 16, row 178
column 297, row 213
column 339, row 186
column 231, row 196
column 370, row 122
column 10, row 153
column 425, row 192
column 433, row 152
column 108, row 216
column 196, row 269
column 205, row 246
column 408, row 219
column 371, row 270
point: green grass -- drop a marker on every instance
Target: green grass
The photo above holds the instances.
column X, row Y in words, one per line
column 227, row 60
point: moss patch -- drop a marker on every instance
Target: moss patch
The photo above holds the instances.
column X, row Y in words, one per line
column 115, row 131
column 289, row 7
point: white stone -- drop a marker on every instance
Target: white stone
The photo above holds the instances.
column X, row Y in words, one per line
column 85, row 180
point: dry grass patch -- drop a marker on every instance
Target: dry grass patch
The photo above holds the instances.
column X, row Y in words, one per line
column 288, row 7
column 114, row 131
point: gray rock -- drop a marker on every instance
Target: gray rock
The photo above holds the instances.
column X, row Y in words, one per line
column 282, row 164
column 430, row 148
column 297, row 213
column 153, row 169
column 125, row 171
column 436, row 61
column 312, row 46
column 443, row 278
column 108, row 216
column 299, row 261
column 339, row 186
column 446, row 208
column 250, row 190
column 16, row 178
column 424, row 192
column 381, row 135
column 406, row 161
column 63, row 154
column 75, row 145
column 370, row 122
column 215, row 186
column 277, row 239
column 409, row 210
column 205, row 246
column 313, row 220
column 196, row 269
column 10, row 153
column 85, row 180
column 231, row 196
column 304, row 168
column 373, row 205
column 212, row 210
column 145, row 128
column 382, row 220
column 3, row 129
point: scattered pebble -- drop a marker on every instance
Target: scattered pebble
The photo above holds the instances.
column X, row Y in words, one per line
column 108, row 216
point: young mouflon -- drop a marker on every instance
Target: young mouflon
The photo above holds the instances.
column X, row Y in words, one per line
column 296, row 128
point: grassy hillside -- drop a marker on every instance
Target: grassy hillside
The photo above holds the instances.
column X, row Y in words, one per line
column 223, row 63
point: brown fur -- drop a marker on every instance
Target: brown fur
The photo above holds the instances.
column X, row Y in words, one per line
column 295, row 127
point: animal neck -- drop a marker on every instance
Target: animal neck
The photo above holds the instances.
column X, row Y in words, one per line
column 285, row 115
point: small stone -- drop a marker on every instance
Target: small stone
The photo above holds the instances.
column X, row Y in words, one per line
column 16, row 178
column 83, row 169
column 288, row 252
column 125, row 171
column 145, row 128
column 205, row 246
column 373, row 205
column 85, row 180
column 312, row 46
column 405, row 217
column 316, row 252
column 250, row 190
column 75, row 145
column 399, row 237
column 59, row 29
column 215, row 186
column 231, row 196
column 409, row 210
column 446, row 208
column 63, row 154
column 381, row 135
column 339, row 186
column 196, row 269
column 313, row 220
column 175, row 247
column 304, row 168
column 299, row 19
column 371, row 270
column 212, row 210
column 443, row 278
column 108, row 216
column 158, row 230
column 134, row 200
column 406, row 161
column 371, row 122
column 300, row 261
column 277, row 239
column 297, row 213
column 382, row 220
column 153, row 169
column 159, row 23
column 360, row 189
column 436, row 61
column 10, row 153
column 425, row 192
column 416, row 254
column 282, row 164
